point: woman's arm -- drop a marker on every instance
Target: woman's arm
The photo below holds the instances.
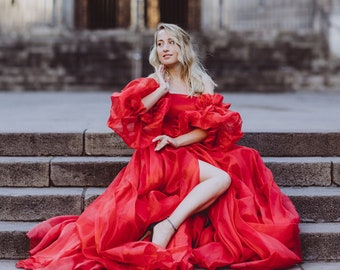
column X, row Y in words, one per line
column 151, row 99
column 194, row 136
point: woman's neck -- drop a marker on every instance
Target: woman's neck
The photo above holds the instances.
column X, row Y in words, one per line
column 176, row 82
column 174, row 72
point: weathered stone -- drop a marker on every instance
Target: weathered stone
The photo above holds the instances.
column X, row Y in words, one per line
column 293, row 144
column 316, row 204
column 41, row 144
column 106, row 144
column 24, row 171
column 320, row 241
column 86, row 171
column 31, row 204
column 108, row 60
column 336, row 170
column 91, row 194
column 306, row 171
column 14, row 243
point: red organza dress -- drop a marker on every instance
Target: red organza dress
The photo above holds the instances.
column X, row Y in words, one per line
column 252, row 226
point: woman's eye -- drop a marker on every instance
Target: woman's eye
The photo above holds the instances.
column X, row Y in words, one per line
column 172, row 42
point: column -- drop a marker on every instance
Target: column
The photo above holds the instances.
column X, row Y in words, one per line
column 137, row 15
column 210, row 15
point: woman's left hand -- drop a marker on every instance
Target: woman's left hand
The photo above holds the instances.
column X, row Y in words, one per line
column 163, row 140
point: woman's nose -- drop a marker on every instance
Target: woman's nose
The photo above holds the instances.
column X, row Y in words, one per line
column 165, row 47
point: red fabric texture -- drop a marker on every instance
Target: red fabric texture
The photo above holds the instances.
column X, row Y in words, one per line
column 251, row 226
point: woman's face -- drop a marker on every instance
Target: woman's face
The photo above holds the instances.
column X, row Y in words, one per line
column 167, row 49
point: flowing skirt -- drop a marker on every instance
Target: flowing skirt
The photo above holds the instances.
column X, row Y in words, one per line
column 251, row 226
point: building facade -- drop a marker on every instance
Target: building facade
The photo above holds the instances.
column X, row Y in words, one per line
column 247, row 45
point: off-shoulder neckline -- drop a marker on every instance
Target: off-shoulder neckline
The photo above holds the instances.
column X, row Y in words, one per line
column 180, row 94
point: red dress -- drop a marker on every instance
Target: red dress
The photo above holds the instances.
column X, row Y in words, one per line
column 251, row 226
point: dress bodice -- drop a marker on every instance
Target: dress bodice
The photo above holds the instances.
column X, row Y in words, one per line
column 178, row 104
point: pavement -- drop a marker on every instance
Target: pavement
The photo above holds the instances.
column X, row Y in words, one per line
column 79, row 111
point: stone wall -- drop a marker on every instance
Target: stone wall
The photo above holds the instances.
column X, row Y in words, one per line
column 70, row 61
column 107, row 60
column 276, row 63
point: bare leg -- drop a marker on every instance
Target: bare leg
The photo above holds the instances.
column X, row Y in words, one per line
column 213, row 183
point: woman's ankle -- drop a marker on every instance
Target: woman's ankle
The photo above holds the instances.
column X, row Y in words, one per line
column 163, row 232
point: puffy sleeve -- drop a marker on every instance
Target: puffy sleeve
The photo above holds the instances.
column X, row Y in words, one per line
column 130, row 119
column 224, row 126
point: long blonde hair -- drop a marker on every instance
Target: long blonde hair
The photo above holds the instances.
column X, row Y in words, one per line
column 192, row 70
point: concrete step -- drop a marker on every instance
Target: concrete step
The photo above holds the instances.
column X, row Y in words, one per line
column 305, row 171
column 38, row 204
column 314, row 204
column 100, row 143
column 59, row 171
column 100, row 171
column 13, row 241
column 31, row 204
column 319, row 241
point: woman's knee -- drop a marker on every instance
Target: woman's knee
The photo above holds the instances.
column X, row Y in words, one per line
column 221, row 178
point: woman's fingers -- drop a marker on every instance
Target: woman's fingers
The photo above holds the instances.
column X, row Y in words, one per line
column 163, row 82
column 162, row 141
column 160, row 72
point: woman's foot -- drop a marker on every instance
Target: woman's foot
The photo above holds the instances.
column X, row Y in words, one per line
column 163, row 232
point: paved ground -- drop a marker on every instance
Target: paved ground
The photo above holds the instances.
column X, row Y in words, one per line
column 67, row 112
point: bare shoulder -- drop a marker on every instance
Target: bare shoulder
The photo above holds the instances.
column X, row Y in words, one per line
column 153, row 76
column 209, row 84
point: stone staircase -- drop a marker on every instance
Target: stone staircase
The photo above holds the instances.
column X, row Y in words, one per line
column 47, row 174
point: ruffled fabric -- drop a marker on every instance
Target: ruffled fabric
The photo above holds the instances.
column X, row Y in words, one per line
column 129, row 118
column 211, row 114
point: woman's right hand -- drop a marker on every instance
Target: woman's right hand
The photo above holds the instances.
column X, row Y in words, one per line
column 163, row 82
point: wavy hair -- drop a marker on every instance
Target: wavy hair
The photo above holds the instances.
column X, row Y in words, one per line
column 192, row 70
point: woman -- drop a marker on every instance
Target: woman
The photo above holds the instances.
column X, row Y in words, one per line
column 189, row 196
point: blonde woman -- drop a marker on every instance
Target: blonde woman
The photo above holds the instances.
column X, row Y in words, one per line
column 189, row 197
